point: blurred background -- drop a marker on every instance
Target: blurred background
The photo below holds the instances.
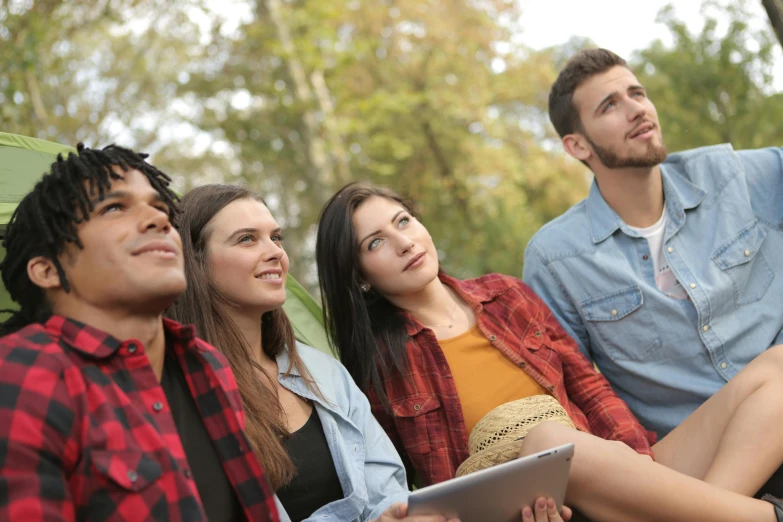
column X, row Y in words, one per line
column 444, row 100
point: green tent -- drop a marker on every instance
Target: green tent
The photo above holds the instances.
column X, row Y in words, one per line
column 22, row 162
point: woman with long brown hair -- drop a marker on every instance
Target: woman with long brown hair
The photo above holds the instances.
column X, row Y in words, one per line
column 310, row 426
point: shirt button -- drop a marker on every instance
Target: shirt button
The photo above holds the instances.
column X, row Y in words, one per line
column 747, row 253
column 670, row 250
column 416, row 407
column 723, row 365
column 522, row 364
column 692, row 285
column 492, row 337
column 538, row 333
column 705, row 328
column 131, row 348
column 132, row 476
column 187, row 473
column 645, row 257
column 551, row 388
column 157, row 406
column 614, row 312
column 355, row 449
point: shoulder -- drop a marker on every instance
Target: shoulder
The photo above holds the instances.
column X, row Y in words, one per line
column 565, row 235
column 497, row 286
column 36, row 371
column 217, row 361
column 32, row 349
column 706, row 167
column 322, row 366
column 331, row 377
column 707, row 153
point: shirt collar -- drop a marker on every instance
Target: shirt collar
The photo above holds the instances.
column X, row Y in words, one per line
column 680, row 195
column 474, row 294
column 98, row 344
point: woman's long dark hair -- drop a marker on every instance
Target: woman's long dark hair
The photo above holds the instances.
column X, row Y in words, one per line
column 204, row 306
column 365, row 329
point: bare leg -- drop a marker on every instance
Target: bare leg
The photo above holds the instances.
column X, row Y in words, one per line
column 734, row 440
column 609, row 482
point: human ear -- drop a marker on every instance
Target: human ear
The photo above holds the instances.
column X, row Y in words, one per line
column 43, row 273
column 577, row 147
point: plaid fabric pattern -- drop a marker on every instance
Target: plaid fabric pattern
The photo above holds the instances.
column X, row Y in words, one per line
column 86, row 432
column 426, row 421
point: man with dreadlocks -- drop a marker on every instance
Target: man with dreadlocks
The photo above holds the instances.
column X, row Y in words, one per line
column 107, row 410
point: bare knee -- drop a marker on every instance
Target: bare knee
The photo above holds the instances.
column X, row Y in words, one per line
column 545, row 436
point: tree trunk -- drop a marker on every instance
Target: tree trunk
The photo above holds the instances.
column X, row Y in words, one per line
column 775, row 13
column 316, row 147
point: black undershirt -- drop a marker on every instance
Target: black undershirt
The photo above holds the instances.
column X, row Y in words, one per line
column 316, row 482
column 217, row 494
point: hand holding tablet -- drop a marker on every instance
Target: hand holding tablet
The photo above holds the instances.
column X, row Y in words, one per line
column 498, row 493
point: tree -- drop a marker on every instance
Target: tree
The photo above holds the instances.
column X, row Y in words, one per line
column 774, row 11
column 427, row 97
column 91, row 71
column 711, row 88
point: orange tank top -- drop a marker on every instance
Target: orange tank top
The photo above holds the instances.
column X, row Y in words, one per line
column 483, row 376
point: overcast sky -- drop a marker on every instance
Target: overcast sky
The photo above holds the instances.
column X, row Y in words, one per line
column 620, row 25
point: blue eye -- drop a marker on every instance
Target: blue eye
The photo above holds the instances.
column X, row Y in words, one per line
column 403, row 221
column 277, row 238
column 374, row 243
column 246, row 238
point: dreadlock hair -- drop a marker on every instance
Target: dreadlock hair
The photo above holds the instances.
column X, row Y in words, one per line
column 47, row 219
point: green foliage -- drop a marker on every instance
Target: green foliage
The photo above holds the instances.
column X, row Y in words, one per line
column 714, row 86
column 295, row 98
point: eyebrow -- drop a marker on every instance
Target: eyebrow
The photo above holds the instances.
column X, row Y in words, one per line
column 118, row 194
column 393, row 219
column 250, row 230
column 631, row 88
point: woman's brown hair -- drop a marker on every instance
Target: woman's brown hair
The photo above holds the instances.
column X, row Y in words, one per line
column 204, row 306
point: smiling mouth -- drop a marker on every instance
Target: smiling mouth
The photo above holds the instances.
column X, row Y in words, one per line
column 269, row 276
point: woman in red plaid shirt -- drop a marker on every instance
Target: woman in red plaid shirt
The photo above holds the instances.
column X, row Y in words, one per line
column 419, row 343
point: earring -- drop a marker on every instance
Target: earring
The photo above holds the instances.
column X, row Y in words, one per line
column 365, row 287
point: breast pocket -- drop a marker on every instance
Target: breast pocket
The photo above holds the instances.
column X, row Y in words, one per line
column 741, row 260
column 624, row 327
column 418, row 422
column 120, row 475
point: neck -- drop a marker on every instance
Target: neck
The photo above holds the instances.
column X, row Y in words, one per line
column 250, row 327
column 434, row 304
column 635, row 194
column 147, row 328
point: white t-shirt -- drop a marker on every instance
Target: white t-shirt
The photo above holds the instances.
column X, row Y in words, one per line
column 665, row 279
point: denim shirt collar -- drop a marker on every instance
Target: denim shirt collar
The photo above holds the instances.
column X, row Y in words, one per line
column 679, row 194
column 291, row 379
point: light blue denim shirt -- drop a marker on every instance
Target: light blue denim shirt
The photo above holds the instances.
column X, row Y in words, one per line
column 370, row 470
column 724, row 242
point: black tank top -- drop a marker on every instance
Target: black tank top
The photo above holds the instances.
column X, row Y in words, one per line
column 316, row 482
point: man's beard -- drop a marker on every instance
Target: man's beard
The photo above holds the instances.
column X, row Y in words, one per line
column 654, row 155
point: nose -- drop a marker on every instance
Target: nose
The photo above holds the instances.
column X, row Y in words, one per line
column 404, row 244
column 272, row 252
column 155, row 219
column 636, row 109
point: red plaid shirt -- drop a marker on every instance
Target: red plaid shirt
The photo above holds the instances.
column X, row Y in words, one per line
column 86, row 432
column 427, row 423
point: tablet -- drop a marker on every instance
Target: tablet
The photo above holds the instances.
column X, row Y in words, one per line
column 499, row 493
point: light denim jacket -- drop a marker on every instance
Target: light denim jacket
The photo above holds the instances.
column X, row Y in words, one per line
column 370, row 470
column 724, row 242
